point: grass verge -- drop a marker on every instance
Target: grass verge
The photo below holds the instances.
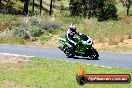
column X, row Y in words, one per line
column 49, row 73
column 125, row 49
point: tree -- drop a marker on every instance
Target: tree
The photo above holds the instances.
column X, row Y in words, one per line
column 9, row 5
column 127, row 4
column 102, row 9
column 40, row 2
column 0, row 2
column 25, row 8
column 75, row 7
column 107, row 12
column 33, row 8
column 50, row 12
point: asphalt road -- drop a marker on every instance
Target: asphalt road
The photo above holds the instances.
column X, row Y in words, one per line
column 107, row 59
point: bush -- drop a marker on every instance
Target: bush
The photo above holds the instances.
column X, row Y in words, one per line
column 9, row 9
column 7, row 22
column 35, row 31
column 44, row 38
column 54, row 25
column 20, row 31
column 33, row 20
column 45, row 25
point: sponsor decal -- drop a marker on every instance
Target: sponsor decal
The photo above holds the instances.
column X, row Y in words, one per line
column 83, row 78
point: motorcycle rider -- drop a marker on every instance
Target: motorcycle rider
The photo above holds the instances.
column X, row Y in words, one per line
column 71, row 32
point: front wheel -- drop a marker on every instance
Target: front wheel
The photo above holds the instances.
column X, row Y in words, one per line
column 93, row 54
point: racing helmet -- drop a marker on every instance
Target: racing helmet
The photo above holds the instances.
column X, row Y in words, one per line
column 72, row 27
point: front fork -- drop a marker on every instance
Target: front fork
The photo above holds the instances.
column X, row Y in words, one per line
column 60, row 47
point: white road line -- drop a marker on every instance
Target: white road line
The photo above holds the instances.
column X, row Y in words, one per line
column 25, row 46
column 101, row 66
column 17, row 55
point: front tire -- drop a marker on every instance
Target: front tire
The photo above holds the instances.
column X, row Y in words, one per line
column 94, row 54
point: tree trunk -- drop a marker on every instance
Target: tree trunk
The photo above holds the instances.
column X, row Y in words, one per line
column 128, row 4
column 0, row 3
column 128, row 10
column 9, row 5
column 25, row 9
column 50, row 12
column 40, row 6
column 33, row 8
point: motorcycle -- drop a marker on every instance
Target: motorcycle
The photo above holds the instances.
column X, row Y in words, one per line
column 84, row 47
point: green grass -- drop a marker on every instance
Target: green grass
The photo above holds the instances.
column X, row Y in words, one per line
column 44, row 38
column 49, row 73
column 54, row 32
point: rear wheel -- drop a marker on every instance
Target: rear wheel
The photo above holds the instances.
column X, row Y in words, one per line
column 93, row 54
column 68, row 53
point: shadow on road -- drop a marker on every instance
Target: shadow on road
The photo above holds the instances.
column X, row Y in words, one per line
column 86, row 58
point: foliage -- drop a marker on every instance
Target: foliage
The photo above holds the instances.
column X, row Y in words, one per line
column 33, row 20
column 7, row 22
column 43, row 23
column 44, row 38
column 46, row 25
column 102, row 9
column 20, row 31
column 127, row 4
column 54, row 32
column 35, row 31
column 107, row 12
column 38, row 26
column 54, row 25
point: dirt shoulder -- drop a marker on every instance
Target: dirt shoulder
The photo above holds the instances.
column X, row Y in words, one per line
column 10, row 84
column 13, row 59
